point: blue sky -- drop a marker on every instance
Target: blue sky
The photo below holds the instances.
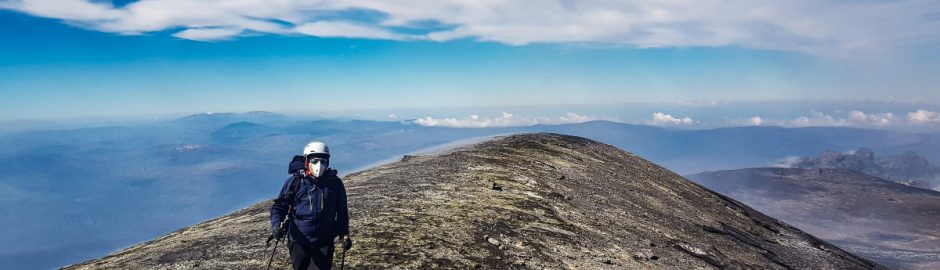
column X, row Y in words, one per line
column 72, row 59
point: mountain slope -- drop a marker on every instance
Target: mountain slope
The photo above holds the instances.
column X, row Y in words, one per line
column 527, row 201
column 891, row 223
column 908, row 168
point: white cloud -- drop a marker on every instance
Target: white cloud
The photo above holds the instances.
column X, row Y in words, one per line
column 751, row 121
column 815, row 119
column 505, row 120
column 208, row 34
column 475, row 121
column 857, row 118
column 819, row 27
column 667, row 119
column 863, row 119
column 345, row 30
column 756, row 121
column 575, row 118
column 923, row 117
column 71, row 10
column 392, row 116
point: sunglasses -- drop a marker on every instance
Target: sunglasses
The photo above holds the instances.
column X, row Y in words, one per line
column 317, row 159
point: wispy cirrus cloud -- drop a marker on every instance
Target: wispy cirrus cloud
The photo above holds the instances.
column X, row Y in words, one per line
column 208, row 34
column 348, row 30
column 69, row 10
column 829, row 27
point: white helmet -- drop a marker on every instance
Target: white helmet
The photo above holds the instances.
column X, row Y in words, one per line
column 318, row 158
column 317, row 148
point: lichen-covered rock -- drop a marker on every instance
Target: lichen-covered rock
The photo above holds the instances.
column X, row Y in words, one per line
column 563, row 203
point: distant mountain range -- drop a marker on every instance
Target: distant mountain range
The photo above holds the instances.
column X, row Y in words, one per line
column 564, row 203
column 125, row 184
column 893, row 224
column 907, row 168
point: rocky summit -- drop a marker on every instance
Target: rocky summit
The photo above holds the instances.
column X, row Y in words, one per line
column 530, row 201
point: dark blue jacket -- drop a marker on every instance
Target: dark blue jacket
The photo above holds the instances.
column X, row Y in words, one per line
column 319, row 209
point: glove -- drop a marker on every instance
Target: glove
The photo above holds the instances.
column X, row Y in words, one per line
column 278, row 233
column 275, row 234
column 348, row 243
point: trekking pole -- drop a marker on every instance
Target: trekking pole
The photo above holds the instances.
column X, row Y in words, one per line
column 280, row 228
column 278, row 241
column 342, row 265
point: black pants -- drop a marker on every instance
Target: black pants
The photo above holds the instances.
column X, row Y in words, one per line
column 311, row 258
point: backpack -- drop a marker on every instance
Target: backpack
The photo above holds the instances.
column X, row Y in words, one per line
column 295, row 169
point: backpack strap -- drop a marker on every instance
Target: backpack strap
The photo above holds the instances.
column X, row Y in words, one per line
column 292, row 189
column 296, row 170
column 295, row 185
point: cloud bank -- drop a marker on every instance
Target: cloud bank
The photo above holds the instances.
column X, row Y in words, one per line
column 856, row 118
column 920, row 118
column 810, row 26
column 505, row 120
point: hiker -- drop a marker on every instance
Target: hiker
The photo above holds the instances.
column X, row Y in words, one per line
column 313, row 203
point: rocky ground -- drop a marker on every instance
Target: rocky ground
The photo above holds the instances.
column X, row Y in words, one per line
column 891, row 223
column 531, row 201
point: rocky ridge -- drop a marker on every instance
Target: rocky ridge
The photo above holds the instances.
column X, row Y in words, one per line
column 890, row 223
column 530, row 201
column 907, row 168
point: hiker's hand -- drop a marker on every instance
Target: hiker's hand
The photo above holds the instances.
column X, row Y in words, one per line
column 347, row 244
column 277, row 232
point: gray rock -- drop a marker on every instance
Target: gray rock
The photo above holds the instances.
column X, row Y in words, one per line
column 493, row 241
